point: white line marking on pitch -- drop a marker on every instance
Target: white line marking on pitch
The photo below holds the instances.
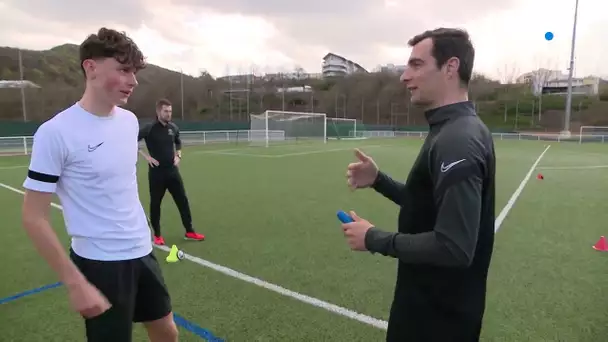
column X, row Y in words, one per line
column 590, row 167
column 302, row 153
column 219, row 150
column 221, row 153
column 12, row 167
column 256, row 281
column 503, row 213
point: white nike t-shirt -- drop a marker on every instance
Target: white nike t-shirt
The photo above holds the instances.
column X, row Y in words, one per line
column 91, row 163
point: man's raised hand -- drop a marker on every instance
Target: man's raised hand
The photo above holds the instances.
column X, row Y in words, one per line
column 363, row 172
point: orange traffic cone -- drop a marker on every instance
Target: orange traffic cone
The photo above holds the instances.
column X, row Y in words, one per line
column 601, row 245
column 540, row 176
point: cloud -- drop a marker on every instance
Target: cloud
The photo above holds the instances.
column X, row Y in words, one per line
column 49, row 25
column 357, row 29
column 502, row 44
column 174, row 36
column 76, row 14
column 225, row 36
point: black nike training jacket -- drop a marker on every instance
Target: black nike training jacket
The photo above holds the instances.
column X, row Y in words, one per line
column 445, row 232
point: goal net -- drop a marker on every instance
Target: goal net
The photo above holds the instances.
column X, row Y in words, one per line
column 341, row 128
column 593, row 134
column 273, row 127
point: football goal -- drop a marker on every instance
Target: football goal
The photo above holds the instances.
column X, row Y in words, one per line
column 341, row 128
column 593, row 134
column 275, row 126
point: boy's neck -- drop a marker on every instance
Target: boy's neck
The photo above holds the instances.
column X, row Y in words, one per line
column 93, row 105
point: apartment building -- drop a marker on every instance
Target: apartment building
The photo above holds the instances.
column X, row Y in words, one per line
column 337, row 66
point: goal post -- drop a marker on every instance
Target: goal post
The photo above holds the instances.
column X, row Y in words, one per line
column 275, row 126
column 341, row 128
column 593, row 134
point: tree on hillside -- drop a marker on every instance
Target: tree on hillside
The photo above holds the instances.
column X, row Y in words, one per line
column 603, row 91
column 373, row 98
column 508, row 94
column 482, row 87
column 542, row 78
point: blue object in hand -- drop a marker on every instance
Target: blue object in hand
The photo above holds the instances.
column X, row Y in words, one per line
column 344, row 217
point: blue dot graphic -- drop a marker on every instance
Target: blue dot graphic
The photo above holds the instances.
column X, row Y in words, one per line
column 549, row 35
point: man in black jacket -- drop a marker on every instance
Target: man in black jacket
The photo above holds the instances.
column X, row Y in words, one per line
column 445, row 232
column 165, row 152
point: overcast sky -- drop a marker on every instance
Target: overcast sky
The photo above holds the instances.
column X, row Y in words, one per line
column 232, row 36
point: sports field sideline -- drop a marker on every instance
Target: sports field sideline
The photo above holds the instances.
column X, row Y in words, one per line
column 275, row 266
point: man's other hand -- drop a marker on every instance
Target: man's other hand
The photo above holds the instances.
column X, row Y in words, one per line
column 152, row 162
column 355, row 232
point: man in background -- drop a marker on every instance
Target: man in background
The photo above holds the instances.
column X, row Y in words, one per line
column 164, row 147
column 445, row 232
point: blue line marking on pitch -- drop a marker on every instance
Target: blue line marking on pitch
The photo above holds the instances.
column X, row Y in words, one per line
column 29, row 292
column 179, row 320
column 195, row 329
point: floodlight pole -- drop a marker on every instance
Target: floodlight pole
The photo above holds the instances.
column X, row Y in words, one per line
column 181, row 85
column 22, row 87
column 570, row 72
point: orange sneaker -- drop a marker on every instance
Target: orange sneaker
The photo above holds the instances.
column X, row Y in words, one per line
column 158, row 240
column 194, row 236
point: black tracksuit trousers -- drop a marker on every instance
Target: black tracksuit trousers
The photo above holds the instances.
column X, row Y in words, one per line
column 162, row 179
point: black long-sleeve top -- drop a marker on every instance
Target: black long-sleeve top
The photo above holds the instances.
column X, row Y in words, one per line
column 445, row 232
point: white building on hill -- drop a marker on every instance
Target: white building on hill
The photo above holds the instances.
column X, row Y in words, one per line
column 334, row 65
column 555, row 82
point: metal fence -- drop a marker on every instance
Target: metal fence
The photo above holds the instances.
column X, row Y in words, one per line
column 22, row 145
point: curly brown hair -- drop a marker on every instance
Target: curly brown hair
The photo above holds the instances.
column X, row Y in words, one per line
column 109, row 43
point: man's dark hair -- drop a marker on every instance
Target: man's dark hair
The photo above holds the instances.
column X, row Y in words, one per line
column 448, row 43
column 162, row 102
column 108, row 43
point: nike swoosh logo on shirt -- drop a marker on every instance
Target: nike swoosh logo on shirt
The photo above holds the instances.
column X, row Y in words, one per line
column 93, row 148
column 446, row 168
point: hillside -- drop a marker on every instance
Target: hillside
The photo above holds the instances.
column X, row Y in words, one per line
column 375, row 98
column 58, row 72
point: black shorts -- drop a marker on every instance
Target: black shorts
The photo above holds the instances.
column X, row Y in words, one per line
column 135, row 288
